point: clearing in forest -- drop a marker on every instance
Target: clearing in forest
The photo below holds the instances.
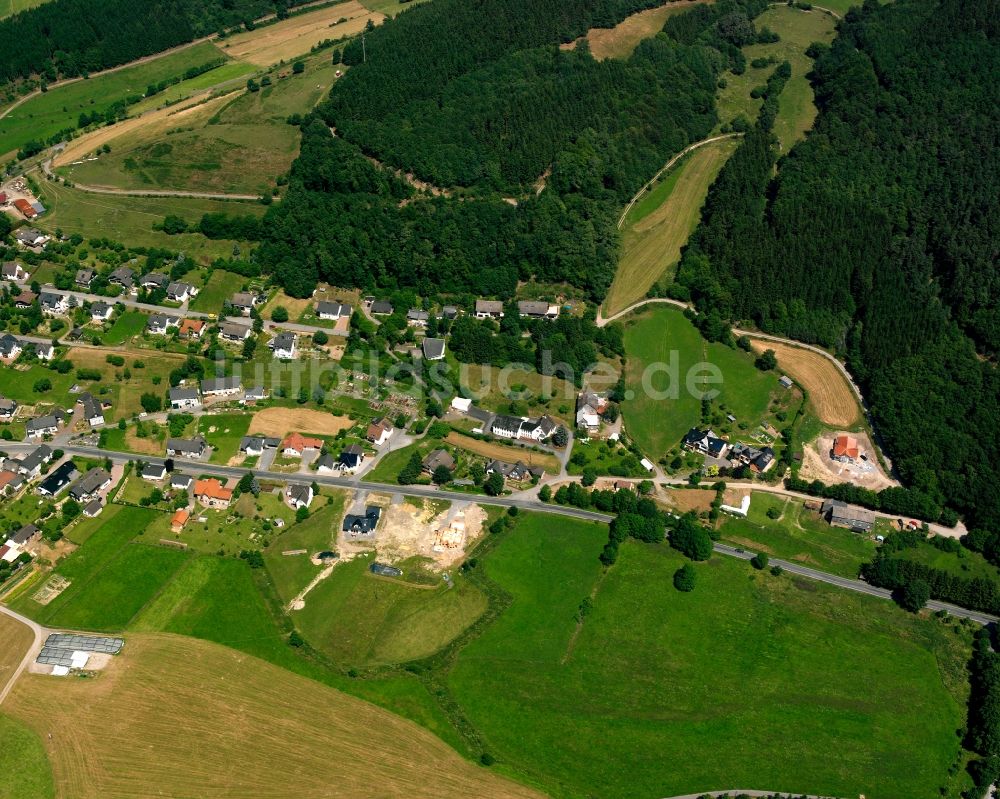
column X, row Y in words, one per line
column 621, row 40
column 659, row 225
column 297, row 35
column 831, row 395
column 116, row 735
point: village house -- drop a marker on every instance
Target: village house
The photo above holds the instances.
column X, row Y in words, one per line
column 56, row 480
column 378, row 432
column 382, row 308
column 178, row 520
column 432, row 349
column 514, row 471
column 283, row 346
column 25, row 299
column 296, row 444
column 243, row 302
column 154, row 472
column 10, row 482
column 29, row 237
column 299, row 496
column 705, row 442
column 180, row 292
column 538, row 429
column 489, row 309
column 357, row 524
column 180, row 482
column 332, row 311
column 12, row 270
column 187, row 447
column 83, row 278
column 325, row 463
column 351, row 458
column 254, row 394
column 437, row 458
column 212, row 494
column 221, row 386
column 43, row 349
column 589, row 409
column 534, row 309
column 845, row 449
column 10, row 347
column 92, row 408
column 53, row 303
column 124, row 277
column 154, row 280
column 191, row 328
column 449, row 312
column 90, row 485
column 47, row 425
column 183, row 398
column 31, row 464
column 415, row 317
column 253, row 446
column 232, row 331
column 93, row 508
column 101, row 311
column 8, row 408
column 159, row 324
column 840, row 514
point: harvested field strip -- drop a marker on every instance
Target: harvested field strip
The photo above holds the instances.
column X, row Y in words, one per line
column 295, row 36
column 665, row 219
column 235, row 712
column 16, row 639
column 504, row 452
column 621, row 40
column 829, row 392
column 281, row 421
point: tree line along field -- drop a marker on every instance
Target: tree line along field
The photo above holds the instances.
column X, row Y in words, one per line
column 48, row 113
column 330, row 744
column 237, row 145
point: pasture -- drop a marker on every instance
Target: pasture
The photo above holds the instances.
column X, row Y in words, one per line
column 504, row 452
column 131, row 219
column 666, row 356
column 659, row 225
column 830, row 395
column 797, row 535
column 621, row 40
column 750, row 679
column 796, row 110
column 226, row 704
column 361, row 620
column 296, row 35
column 46, row 114
column 23, row 762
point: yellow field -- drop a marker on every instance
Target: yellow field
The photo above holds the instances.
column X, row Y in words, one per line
column 653, row 243
column 16, row 639
column 177, row 717
column 295, row 36
column 281, row 421
column 829, row 392
column 621, row 40
column 504, row 452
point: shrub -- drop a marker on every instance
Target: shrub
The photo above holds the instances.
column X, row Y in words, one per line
column 759, row 561
column 684, row 578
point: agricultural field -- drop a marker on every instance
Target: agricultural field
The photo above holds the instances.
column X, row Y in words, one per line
column 237, row 144
column 17, row 638
column 26, row 771
column 750, row 679
column 621, row 40
column 227, row 704
column 295, row 36
column 361, row 620
column 278, row 422
column 131, row 219
column 797, row 535
column 796, row 110
column 830, row 395
column 46, row 114
column 662, row 408
column 658, row 226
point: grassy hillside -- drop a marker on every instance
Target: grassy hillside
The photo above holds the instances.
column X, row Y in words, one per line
column 26, row 771
column 329, row 744
column 749, row 680
column 10, row 7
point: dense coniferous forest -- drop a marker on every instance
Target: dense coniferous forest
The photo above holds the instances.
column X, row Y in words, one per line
column 479, row 96
column 878, row 237
column 66, row 38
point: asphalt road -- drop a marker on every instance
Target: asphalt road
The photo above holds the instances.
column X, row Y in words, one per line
column 30, row 655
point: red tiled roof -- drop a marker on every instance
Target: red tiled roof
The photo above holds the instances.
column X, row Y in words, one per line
column 299, row 442
column 845, row 445
column 212, row 489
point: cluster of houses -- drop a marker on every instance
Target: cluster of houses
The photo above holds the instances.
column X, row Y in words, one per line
column 11, row 348
column 483, row 309
column 514, row 428
column 707, row 443
column 187, row 397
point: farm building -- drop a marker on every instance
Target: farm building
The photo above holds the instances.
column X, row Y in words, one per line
column 840, row 514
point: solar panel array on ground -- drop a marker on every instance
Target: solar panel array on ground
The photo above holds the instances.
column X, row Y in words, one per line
column 59, row 647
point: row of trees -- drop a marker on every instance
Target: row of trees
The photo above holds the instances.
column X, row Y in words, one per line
column 875, row 238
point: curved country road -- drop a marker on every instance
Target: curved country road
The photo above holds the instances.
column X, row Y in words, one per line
column 29, row 656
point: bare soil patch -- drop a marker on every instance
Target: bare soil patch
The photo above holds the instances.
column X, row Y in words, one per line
column 818, row 465
column 687, row 499
column 829, row 392
column 142, row 446
column 442, row 535
column 296, row 36
column 281, row 421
